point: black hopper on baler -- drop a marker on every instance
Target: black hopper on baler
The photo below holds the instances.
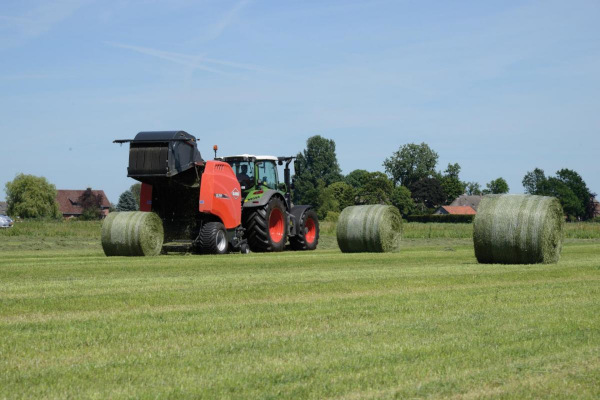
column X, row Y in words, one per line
column 156, row 156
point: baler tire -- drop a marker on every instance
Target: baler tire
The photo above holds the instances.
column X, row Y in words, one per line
column 300, row 242
column 213, row 238
column 257, row 224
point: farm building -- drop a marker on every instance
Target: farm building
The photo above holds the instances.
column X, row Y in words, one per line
column 596, row 207
column 68, row 202
column 455, row 210
column 3, row 207
column 467, row 200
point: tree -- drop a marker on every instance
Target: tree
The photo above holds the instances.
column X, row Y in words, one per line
column 428, row 192
column 452, row 185
column 568, row 187
column 377, row 189
column 411, row 163
column 453, row 170
column 326, row 201
column 571, row 204
column 318, row 163
column 357, row 178
column 30, row 196
column 473, row 189
column 534, row 181
column 136, row 190
column 402, row 199
column 91, row 204
column 496, row 186
column 343, row 193
column 127, row 202
column 576, row 183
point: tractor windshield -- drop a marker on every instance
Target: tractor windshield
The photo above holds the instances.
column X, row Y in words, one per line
column 267, row 174
column 244, row 171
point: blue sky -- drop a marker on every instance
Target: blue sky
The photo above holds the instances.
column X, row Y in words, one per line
column 500, row 87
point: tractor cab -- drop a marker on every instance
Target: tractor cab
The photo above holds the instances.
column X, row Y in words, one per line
column 257, row 174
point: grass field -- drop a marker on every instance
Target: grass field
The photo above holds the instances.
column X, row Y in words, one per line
column 427, row 321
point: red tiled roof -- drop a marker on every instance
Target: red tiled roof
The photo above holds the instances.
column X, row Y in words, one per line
column 460, row 210
column 67, row 201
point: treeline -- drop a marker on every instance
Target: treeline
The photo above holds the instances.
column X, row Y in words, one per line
column 412, row 183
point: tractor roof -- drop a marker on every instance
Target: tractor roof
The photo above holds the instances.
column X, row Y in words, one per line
column 257, row 158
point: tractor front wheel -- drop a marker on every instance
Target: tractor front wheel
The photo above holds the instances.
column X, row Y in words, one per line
column 266, row 227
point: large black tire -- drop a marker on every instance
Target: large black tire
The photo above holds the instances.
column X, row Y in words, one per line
column 213, row 238
column 307, row 237
column 260, row 226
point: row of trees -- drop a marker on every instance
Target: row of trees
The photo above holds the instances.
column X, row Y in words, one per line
column 411, row 181
column 568, row 186
column 30, row 196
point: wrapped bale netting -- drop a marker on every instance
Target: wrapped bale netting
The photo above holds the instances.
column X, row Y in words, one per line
column 372, row 228
column 518, row 229
column 132, row 233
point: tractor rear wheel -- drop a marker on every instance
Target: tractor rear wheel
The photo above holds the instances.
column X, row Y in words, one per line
column 307, row 236
column 213, row 238
column 266, row 227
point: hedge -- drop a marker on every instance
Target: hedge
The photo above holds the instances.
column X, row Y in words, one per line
column 448, row 218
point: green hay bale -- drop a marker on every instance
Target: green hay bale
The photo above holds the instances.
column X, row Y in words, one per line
column 132, row 233
column 518, row 229
column 372, row 228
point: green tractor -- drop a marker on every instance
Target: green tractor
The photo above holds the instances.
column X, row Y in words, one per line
column 268, row 216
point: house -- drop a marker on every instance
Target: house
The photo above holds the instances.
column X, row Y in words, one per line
column 3, row 207
column 68, row 202
column 455, row 210
column 467, row 200
column 596, row 208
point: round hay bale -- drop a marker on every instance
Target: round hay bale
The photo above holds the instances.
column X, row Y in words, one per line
column 371, row 228
column 518, row 229
column 132, row 233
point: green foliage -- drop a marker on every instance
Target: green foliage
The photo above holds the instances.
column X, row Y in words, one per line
column 136, row 190
column 452, row 171
column 572, row 206
column 326, row 201
column 473, row 189
column 452, row 188
column 357, row 178
column 428, row 192
column 438, row 218
column 344, row 194
column 317, row 163
column 127, row 202
column 402, row 199
column 30, row 196
column 578, row 186
column 91, row 204
column 332, row 216
column 568, row 186
column 411, row 163
column 496, row 186
column 534, row 182
column 378, row 189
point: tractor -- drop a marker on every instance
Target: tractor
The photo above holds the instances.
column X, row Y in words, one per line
column 230, row 204
column 268, row 215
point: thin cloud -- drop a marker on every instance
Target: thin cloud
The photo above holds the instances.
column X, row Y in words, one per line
column 37, row 21
column 197, row 62
column 226, row 20
column 176, row 58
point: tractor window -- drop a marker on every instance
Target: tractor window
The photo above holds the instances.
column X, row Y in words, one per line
column 267, row 174
column 244, row 171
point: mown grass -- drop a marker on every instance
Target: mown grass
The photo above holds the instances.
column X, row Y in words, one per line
column 425, row 322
